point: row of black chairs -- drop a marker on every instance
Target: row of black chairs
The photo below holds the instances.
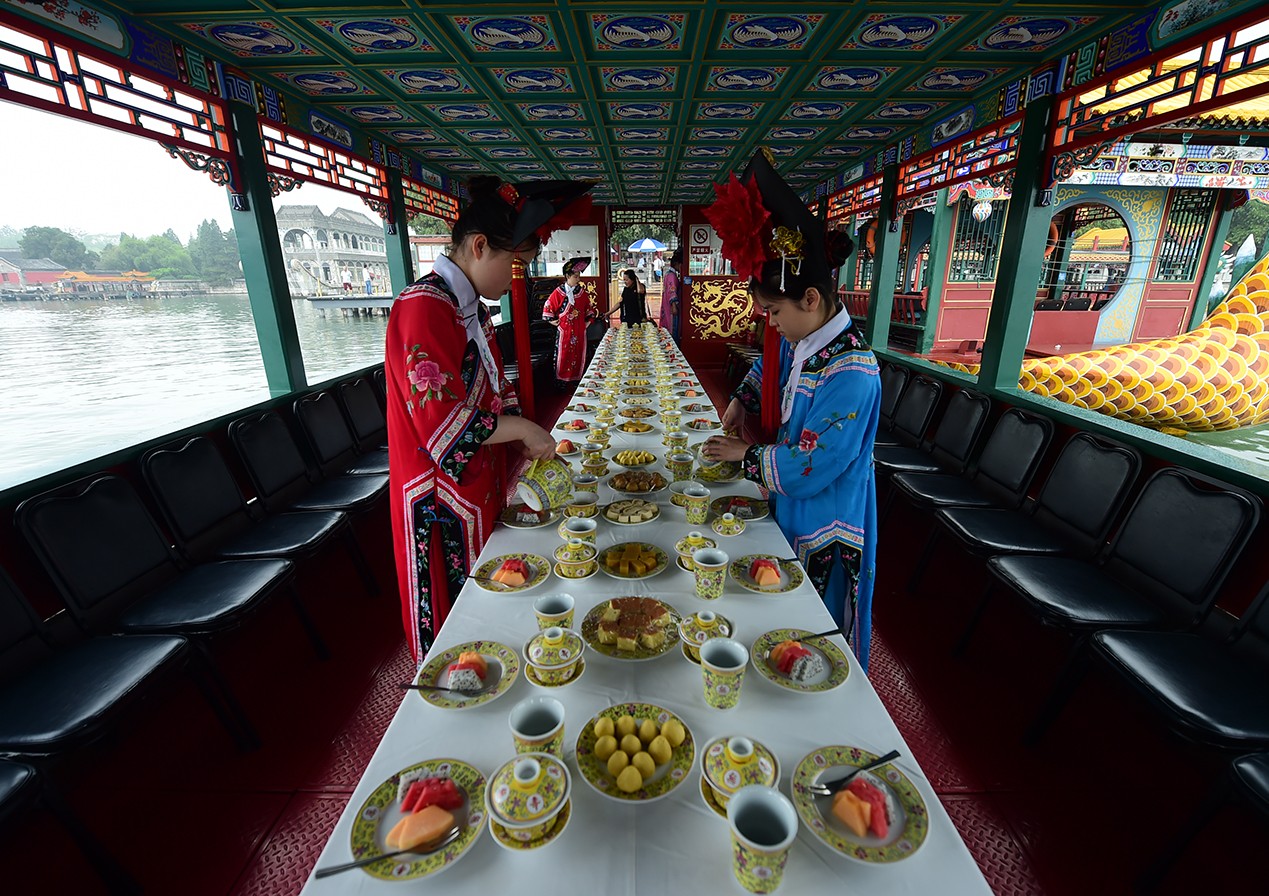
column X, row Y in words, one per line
column 148, row 604
column 1140, row 599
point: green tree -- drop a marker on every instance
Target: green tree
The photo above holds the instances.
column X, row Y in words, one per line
column 215, row 253
column 157, row 255
column 423, row 225
column 625, row 236
column 1252, row 217
column 56, row 244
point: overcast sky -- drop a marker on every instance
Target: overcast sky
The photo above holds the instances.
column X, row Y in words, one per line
column 60, row 172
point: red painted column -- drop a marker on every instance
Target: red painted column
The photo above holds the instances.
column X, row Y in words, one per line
column 520, row 326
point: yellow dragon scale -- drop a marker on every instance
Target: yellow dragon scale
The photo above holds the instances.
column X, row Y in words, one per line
column 1216, row 376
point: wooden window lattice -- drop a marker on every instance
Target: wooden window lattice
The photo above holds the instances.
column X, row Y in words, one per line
column 861, row 197
column 1184, row 234
column 1201, row 75
column 985, row 154
column 422, row 199
column 976, row 244
column 293, row 155
column 58, row 74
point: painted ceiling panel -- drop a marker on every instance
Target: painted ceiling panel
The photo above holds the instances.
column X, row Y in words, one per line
column 654, row 99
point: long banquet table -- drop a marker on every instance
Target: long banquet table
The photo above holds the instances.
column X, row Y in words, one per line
column 675, row 844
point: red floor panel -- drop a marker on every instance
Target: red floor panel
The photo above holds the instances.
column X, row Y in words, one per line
column 1002, row 859
column 284, row 862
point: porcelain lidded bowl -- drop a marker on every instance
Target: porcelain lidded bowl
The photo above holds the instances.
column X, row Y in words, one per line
column 554, row 654
column 526, row 794
column 730, row 763
column 698, row 628
column 691, row 543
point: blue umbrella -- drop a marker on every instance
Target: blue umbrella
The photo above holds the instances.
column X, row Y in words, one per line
column 647, row 244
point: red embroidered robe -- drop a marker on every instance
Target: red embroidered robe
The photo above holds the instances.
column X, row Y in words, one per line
column 447, row 485
column 570, row 342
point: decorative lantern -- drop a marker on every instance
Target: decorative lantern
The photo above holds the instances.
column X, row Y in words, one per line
column 981, row 210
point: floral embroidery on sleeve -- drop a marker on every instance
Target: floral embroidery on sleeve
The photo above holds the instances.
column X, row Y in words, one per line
column 427, row 380
column 809, row 440
column 481, row 428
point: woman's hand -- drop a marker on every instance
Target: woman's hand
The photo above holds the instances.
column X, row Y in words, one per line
column 538, row 443
column 722, row 448
column 734, row 417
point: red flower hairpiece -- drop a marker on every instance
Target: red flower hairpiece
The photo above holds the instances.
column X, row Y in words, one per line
column 511, row 196
column 740, row 219
column 574, row 213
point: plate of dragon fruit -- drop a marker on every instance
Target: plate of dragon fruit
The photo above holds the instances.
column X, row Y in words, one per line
column 474, row 673
column 809, row 666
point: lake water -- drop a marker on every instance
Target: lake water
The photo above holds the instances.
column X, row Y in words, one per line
column 85, row 378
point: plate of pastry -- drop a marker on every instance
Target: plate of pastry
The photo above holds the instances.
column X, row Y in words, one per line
column 418, row 805
column 519, row 516
column 663, row 761
column 631, row 512
column 473, row 667
column 637, row 482
column 633, row 560
column 808, row 667
column 512, row 572
column 747, row 509
column 634, row 458
column 637, row 412
column 765, row 574
column 631, row 628
column 879, row 818
column 635, row 427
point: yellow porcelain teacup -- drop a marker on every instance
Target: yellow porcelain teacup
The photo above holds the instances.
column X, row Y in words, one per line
column 579, row 527
column 583, row 504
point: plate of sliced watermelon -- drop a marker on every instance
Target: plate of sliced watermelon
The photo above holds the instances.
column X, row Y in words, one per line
column 765, row 574
column 809, row 667
column 880, row 817
column 486, row 667
column 436, row 793
column 512, row 573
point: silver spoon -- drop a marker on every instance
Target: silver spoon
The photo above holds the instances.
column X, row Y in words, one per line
column 370, row 860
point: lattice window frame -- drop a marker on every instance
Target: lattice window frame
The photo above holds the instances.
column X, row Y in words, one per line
column 72, row 79
column 421, row 198
column 293, row 155
column 1179, row 256
column 1082, row 126
column 988, row 154
column 859, row 198
column 966, row 230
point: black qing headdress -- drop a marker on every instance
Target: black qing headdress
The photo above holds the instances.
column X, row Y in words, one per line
column 576, row 265
column 765, row 227
column 544, row 206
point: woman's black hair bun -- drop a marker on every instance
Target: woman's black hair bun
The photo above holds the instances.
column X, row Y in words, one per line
column 483, row 186
column 838, row 246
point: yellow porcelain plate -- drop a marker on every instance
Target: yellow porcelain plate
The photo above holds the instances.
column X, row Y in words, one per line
column 747, row 509
column 909, row 818
column 532, row 677
column 835, row 671
column 510, row 517
column 790, row 574
column 381, row 811
column 503, row 663
column 506, row 841
column 539, row 569
column 590, row 634
column 660, row 560
column 663, row 780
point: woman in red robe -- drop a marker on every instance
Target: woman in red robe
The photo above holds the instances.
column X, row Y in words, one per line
column 450, row 408
column 570, row 308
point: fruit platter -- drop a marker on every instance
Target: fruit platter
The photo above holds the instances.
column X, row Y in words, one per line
column 765, row 574
column 812, row 666
column 476, row 673
column 512, row 572
column 747, row 509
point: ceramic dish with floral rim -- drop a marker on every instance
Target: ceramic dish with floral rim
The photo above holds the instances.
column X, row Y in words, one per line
column 834, row 669
column 506, row 841
column 638, row 390
column 637, row 483
column 381, row 811
column 581, row 408
column 707, row 792
column 590, row 634
column 907, row 814
column 621, row 551
column 532, row 677
column 697, row 407
column 747, row 509
column 636, row 412
column 503, row 663
column 666, row 777
column 539, row 569
column 790, row 574
column 635, row 428
column 578, row 425
column 702, row 424
column 639, row 401
column 519, row 516
column 559, row 571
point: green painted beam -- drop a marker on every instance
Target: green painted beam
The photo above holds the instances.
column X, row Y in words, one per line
column 1212, row 264
column 263, row 267
column 886, row 265
column 396, row 232
column 1021, row 260
column 940, row 256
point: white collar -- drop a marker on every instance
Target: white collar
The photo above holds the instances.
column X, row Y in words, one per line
column 804, row 349
column 468, row 311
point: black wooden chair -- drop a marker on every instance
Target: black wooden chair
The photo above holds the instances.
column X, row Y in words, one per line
column 1049, row 305
column 1080, row 500
column 331, row 442
column 953, row 443
column 365, row 415
column 282, row 480
column 1161, row 572
column 1246, row 780
column 913, row 414
column 23, row 789
column 117, row 573
column 57, row 699
column 1008, row 463
column 209, row 519
column 380, row 381
column 1082, row 303
column 894, row 379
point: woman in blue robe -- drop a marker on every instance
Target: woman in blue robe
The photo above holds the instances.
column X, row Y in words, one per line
column 819, row 469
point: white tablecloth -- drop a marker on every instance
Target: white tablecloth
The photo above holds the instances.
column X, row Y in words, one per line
column 675, row 844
